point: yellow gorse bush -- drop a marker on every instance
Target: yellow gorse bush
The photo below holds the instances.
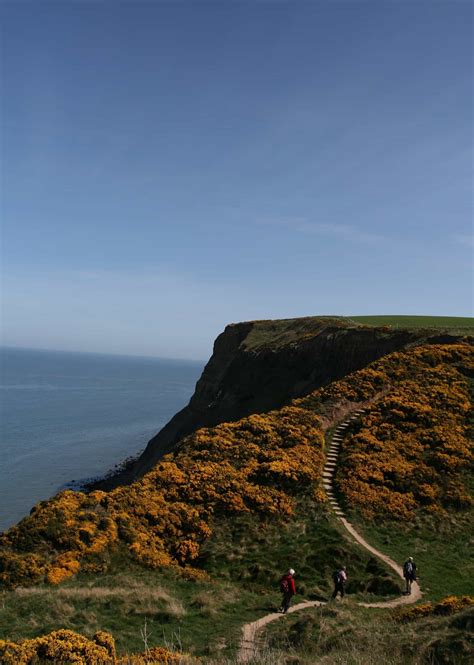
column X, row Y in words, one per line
column 66, row 646
column 60, row 646
column 410, row 452
column 412, row 448
column 444, row 607
column 260, row 464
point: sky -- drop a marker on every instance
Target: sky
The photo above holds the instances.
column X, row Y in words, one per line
column 172, row 167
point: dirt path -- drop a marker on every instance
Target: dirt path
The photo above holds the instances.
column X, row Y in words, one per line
column 248, row 645
column 250, row 630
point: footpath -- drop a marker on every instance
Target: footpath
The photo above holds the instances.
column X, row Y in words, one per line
column 248, row 642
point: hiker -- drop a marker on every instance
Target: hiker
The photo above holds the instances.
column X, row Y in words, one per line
column 287, row 587
column 409, row 573
column 339, row 577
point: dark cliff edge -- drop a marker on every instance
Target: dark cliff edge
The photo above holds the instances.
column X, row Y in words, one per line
column 257, row 366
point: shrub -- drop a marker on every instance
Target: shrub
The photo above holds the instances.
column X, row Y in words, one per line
column 60, row 646
column 446, row 606
column 66, row 646
column 261, row 464
column 410, row 451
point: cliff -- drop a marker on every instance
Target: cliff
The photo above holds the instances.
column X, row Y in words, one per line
column 261, row 365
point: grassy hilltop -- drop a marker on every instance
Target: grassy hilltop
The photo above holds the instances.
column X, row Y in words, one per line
column 452, row 324
column 282, row 332
column 196, row 545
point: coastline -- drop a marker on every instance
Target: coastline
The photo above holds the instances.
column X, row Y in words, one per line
column 95, row 482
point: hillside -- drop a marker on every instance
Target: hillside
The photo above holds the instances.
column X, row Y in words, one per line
column 439, row 633
column 257, row 366
column 200, row 540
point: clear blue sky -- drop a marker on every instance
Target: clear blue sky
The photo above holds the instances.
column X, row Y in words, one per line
column 169, row 168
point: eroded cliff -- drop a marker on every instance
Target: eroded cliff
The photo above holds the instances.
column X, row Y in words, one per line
column 261, row 365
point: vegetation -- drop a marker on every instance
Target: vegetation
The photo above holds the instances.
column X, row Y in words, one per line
column 59, row 646
column 178, row 613
column 204, row 536
column 340, row 634
column 453, row 324
column 66, row 646
column 410, row 452
column 404, row 472
column 260, row 464
column 449, row 605
column 441, row 547
column 275, row 334
column 411, row 449
column 243, row 561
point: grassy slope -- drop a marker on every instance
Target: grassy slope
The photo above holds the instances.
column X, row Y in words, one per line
column 454, row 324
column 187, row 615
column 442, row 550
column 244, row 560
column 341, row 634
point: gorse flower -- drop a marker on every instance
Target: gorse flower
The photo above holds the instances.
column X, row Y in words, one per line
column 411, row 448
column 410, row 451
column 260, row 464
column 66, row 646
column 60, row 646
column 446, row 606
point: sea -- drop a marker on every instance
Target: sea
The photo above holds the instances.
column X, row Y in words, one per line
column 66, row 418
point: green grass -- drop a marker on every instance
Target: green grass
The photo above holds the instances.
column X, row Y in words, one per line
column 342, row 634
column 313, row 543
column 244, row 559
column 442, row 549
column 195, row 616
column 456, row 324
column 278, row 333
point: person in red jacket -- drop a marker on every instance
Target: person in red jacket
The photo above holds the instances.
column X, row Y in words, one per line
column 288, row 589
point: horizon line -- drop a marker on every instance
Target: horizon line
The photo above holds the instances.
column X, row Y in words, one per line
column 101, row 353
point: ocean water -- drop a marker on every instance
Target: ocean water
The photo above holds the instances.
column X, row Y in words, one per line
column 72, row 416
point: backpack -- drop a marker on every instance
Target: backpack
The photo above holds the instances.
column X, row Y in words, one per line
column 408, row 568
column 336, row 578
column 284, row 585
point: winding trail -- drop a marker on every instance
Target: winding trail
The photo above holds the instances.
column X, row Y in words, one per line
column 248, row 642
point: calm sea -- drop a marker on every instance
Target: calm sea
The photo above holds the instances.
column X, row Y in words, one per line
column 72, row 416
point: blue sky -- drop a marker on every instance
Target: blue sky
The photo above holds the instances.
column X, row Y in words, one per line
column 169, row 168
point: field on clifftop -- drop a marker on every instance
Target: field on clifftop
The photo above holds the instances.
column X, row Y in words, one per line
column 196, row 546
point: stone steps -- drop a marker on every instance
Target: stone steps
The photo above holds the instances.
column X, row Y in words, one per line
column 332, row 454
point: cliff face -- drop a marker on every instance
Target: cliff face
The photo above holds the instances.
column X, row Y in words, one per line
column 261, row 365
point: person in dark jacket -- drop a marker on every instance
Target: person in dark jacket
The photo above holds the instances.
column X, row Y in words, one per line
column 409, row 573
column 288, row 589
column 339, row 578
